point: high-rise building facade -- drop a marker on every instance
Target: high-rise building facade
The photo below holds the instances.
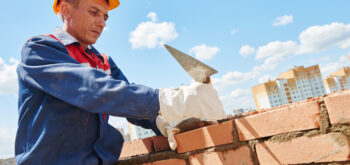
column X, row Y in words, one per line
column 136, row 132
column 339, row 80
column 293, row 85
column 126, row 136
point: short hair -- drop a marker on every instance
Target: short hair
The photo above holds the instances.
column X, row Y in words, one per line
column 75, row 4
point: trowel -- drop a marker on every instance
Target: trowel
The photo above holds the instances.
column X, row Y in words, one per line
column 198, row 71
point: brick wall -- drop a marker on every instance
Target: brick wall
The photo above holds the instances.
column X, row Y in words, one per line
column 316, row 131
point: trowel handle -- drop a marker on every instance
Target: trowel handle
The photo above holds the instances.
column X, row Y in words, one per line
column 206, row 80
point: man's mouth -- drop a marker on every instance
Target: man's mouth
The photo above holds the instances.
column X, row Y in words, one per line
column 96, row 32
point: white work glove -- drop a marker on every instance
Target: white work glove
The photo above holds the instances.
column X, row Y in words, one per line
column 195, row 100
column 167, row 130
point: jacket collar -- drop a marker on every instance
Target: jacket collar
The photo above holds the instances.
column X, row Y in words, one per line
column 65, row 37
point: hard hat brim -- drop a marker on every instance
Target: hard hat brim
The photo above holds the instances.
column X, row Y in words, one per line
column 112, row 5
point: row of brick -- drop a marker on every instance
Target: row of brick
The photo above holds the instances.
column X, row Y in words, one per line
column 240, row 156
column 294, row 117
column 145, row 146
column 332, row 147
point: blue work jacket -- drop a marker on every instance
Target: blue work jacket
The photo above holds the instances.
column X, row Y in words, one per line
column 61, row 106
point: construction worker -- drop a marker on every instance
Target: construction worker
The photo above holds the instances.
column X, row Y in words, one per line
column 67, row 90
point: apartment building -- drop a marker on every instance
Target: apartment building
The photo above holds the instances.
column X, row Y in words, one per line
column 296, row 84
column 126, row 136
column 339, row 80
column 136, row 132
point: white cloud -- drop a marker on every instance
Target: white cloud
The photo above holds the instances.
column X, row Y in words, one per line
column 269, row 64
column 232, row 78
column 7, row 142
column 283, row 20
column 234, row 31
column 8, row 81
column 329, row 68
column 239, row 92
column 319, row 38
column 236, row 77
column 319, row 60
column 312, row 40
column 151, row 34
column 246, row 50
column 277, row 48
column 265, row 78
column 274, row 53
column 204, row 52
column 238, row 98
column 273, row 60
column 152, row 16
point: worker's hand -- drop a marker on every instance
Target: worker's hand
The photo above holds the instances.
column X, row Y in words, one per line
column 195, row 100
column 167, row 130
column 199, row 101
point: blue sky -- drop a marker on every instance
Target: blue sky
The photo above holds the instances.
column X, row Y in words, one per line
column 247, row 41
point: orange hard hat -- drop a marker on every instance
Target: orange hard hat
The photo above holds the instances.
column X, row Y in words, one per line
column 112, row 5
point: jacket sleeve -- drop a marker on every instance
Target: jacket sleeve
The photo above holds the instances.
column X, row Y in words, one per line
column 47, row 66
column 148, row 124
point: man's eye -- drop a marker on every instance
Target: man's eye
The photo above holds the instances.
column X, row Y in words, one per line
column 93, row 12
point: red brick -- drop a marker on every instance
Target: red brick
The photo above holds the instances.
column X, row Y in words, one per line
column 240, row 156
column 324, row 148
column 137, row 147
column 205, row 137
column 295, row 117
column 168, row 162
column 338, row 106
column 160, row 143
column 207, row 158
column 145, row 146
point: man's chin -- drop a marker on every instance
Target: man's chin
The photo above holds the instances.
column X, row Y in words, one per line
column 92, row 39
column 91, row 42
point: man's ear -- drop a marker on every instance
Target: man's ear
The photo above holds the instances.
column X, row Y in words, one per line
column 66, row 10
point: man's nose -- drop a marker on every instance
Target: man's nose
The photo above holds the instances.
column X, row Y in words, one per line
column 101, row 22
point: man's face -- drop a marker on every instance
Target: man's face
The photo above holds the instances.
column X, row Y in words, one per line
column 87, row 21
